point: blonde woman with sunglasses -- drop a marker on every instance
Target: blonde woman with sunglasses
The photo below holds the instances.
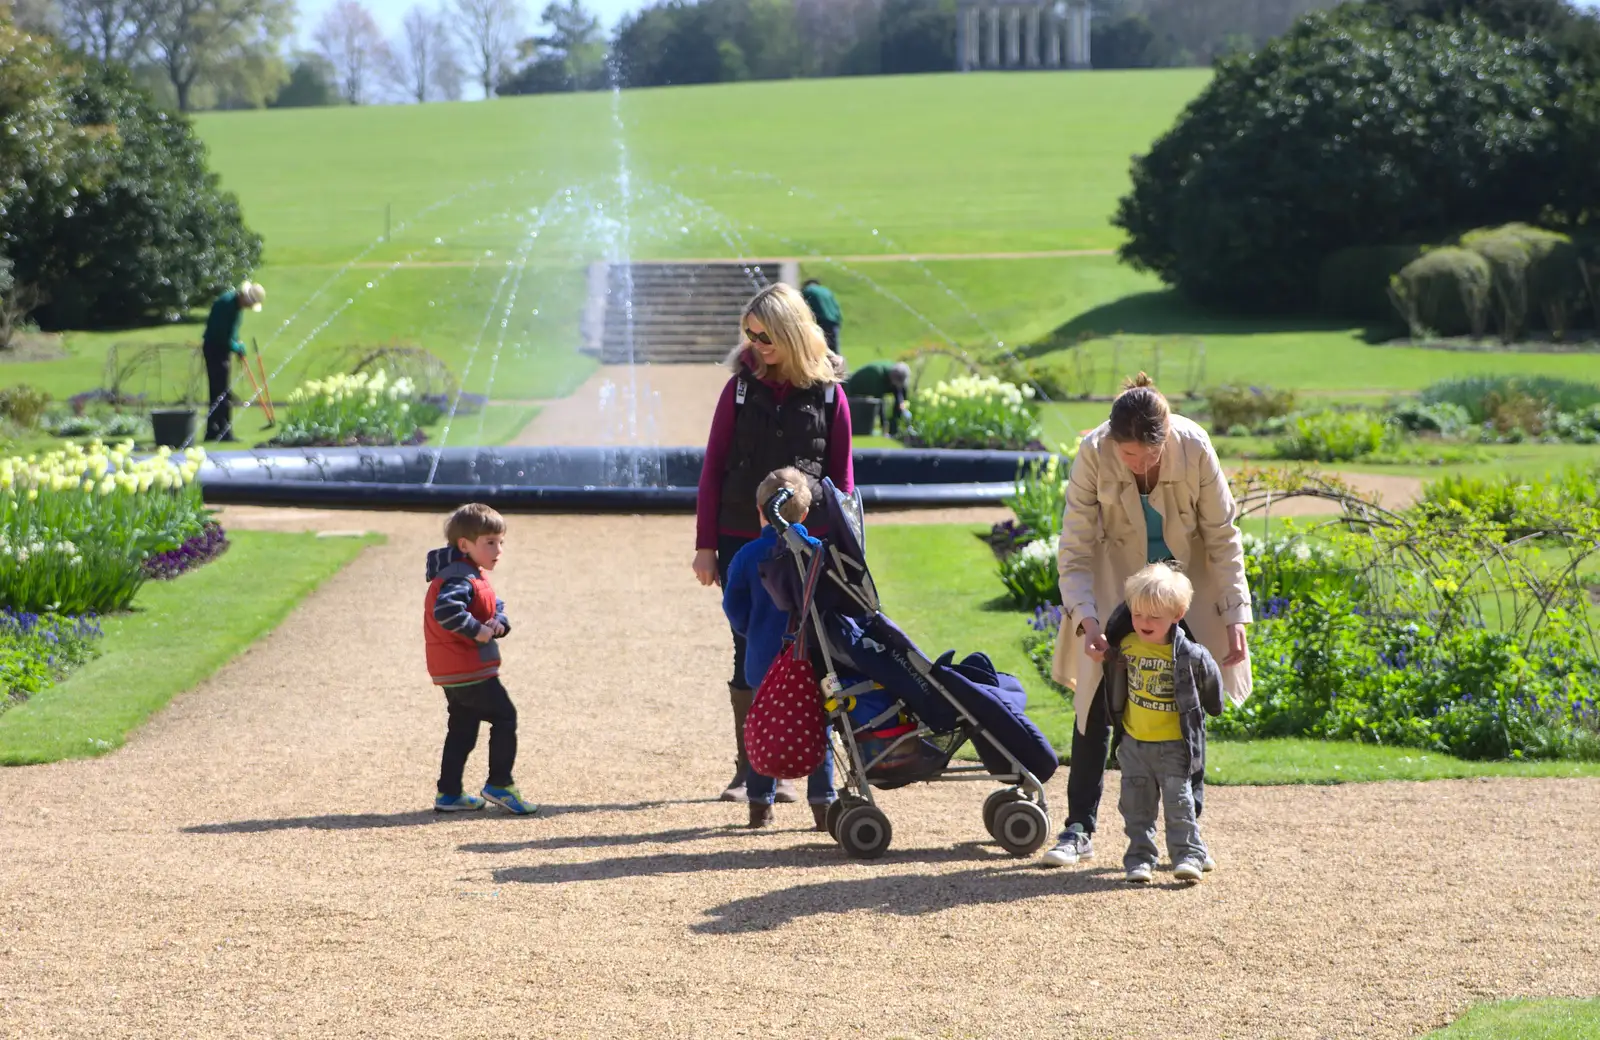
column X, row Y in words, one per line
column 783, row 406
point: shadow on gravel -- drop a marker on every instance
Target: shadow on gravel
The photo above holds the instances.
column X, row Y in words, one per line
column 820, row 853
column 903, row 895
column 422, row 817
column 597, row 841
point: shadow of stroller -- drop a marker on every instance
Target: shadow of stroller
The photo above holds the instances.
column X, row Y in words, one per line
column 903, row 895
column 819, row 853
column 417, row 818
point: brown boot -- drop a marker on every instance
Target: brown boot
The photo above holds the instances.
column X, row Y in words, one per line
column 819, row 813
column 784, row 792
column 760, row 816
column 740, row 697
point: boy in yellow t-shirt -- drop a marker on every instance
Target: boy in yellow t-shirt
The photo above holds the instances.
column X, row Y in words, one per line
column 1162, row 684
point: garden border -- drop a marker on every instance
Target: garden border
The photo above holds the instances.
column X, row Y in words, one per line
column 534, row 479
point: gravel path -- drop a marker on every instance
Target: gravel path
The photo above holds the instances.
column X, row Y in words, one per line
column 666, row 405
column 259, row 860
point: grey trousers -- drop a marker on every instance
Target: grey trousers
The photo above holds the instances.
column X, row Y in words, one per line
column 1153, row 774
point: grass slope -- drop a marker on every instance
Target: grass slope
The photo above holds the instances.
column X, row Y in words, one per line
column 177, row 635
column 498, row 207
column 938, row 582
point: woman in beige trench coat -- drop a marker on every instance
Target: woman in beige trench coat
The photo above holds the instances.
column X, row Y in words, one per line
column 1146, row 486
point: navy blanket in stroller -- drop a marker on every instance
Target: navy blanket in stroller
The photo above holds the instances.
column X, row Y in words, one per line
column 879, row 650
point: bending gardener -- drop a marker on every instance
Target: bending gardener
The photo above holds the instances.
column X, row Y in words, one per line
column 218, row 345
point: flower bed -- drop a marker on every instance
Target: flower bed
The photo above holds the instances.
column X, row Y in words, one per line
column 201, row 549
column 35, row 650
column 1446, row 628
column 78, row 526
column 367, row 408
column 974, row 412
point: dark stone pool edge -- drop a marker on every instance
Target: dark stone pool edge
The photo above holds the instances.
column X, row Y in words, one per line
column 568, row 479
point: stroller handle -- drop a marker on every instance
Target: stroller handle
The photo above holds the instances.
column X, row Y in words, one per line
column 772, row 509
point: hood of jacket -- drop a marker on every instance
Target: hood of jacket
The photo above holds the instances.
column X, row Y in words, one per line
column 440, row 559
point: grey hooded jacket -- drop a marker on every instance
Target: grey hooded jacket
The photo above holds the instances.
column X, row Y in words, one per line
column 1196, row 682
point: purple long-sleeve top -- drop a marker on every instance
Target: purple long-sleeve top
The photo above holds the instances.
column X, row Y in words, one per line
column 838, row 466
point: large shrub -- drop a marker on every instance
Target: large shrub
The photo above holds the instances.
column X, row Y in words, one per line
column 1345, row 131
column 1445, row 292
column 144, row 232
column 1354, row 282
column 1537, row 276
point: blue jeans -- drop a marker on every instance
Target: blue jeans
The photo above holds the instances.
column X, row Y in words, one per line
column 819, row 785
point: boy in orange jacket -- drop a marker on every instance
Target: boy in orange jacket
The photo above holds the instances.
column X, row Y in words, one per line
column 461, row 621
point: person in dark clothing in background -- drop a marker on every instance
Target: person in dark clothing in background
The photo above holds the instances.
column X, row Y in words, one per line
column 825, row 308
column 218, row 344
column 881, row 380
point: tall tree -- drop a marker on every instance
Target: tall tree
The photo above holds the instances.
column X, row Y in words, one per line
column 193, row 39
column 488, row 30
column 418, row 53
column 309, row 84
column 111, row 30
column 448, row 76
column 350, row 40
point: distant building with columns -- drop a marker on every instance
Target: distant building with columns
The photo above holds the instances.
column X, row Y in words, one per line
column 1000, row 34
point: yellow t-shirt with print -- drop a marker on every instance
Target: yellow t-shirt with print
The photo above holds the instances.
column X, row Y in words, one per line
column 1151, row 713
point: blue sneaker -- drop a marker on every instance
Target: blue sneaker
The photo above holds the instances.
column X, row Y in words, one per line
column 457, row 803
column 510, row 799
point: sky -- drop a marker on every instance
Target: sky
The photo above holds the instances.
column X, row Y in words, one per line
column 390, row 12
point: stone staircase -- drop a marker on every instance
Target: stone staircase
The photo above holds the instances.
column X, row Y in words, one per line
column 682, row 312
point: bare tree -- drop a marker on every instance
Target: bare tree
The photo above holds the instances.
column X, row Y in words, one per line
column 192, row 39
column 422, row 58
column 111, row 30
column 448, row 76
column 489, row 33
column 351, row 41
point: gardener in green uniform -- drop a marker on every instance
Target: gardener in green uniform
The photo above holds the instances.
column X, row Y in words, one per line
column 218, row 345
column 825, row 308
column 879, row 380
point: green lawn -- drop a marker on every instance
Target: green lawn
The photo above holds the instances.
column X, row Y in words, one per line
column 498, row 214
column 1526, row 1020
column 177, row 634
column 711, row 175
column 938, row 582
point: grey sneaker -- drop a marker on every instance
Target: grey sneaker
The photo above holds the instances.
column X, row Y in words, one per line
column 1076, row 845
column 1190, row 871
column 1139, row 874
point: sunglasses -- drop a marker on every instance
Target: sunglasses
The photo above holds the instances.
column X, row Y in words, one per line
column 758, row 337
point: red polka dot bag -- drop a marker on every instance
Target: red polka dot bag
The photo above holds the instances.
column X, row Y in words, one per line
column 786, row 732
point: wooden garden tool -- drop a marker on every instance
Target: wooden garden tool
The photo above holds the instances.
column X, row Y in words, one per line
column 263, row 389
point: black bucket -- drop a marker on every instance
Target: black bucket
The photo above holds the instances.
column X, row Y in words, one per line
column 863, row 416
column 173, row 427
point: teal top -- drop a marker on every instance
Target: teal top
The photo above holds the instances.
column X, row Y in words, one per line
column 824, row 307
column 1157, row 550
column 222, row 324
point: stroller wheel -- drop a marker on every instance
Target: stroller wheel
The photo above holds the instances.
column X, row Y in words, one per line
column 1021, row 827
column 837, row 810
column 992, row 804
column 864, row 832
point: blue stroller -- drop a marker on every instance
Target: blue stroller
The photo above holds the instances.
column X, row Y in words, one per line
column 896, row 716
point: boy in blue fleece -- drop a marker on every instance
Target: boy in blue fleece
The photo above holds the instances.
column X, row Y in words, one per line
column 754, row 615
